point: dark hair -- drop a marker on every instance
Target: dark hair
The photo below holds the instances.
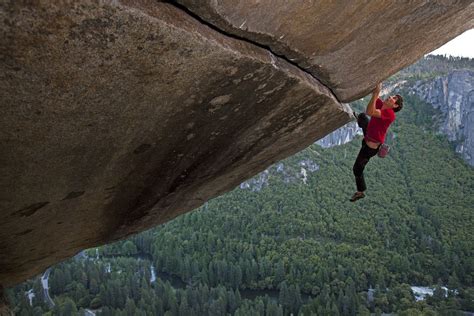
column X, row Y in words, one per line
column 399, row 102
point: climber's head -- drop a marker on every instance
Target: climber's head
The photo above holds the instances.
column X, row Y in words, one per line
column 394, row 102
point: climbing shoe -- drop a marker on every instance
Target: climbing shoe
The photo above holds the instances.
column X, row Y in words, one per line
column 357, row 196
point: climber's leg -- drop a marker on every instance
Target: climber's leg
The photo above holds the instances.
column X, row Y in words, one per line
column 363, row 158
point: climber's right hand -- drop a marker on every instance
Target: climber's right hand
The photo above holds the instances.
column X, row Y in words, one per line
column 377, row 88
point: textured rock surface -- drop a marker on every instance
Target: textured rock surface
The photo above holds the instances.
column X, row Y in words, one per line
column 116, row 118
column 120, row 115
column 453, row 95
column 348, row 45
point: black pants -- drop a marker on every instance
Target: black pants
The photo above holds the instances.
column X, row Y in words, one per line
column 364, row 155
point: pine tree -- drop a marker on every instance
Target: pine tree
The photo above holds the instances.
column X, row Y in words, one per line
column 280, row 272
column 285, row 297
column 184, row 309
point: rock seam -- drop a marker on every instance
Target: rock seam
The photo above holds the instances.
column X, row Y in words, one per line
column 240, row 38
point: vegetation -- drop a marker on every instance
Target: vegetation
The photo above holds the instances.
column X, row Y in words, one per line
column 319, row 253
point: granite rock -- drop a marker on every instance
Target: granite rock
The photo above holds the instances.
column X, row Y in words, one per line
column 118, row 116
column 349, row 45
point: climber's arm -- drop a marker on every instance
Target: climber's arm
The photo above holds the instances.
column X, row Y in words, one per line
column 371, row 110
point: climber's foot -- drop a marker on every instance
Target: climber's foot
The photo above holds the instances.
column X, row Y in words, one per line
column 357, row 196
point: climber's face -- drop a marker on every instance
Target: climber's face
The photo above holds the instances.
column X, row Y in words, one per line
column 390, row 102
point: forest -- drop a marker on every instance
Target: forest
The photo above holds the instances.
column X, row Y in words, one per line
column 297, row 240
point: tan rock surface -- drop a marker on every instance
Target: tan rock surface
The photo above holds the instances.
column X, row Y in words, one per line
column 120, row 116
column 348, row 45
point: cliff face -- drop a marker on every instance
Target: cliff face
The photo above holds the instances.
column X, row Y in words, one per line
column 121, row 115
column 453, row 96
column 340, row 136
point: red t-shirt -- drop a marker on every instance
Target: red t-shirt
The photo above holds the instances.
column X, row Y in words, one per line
column 378, row 126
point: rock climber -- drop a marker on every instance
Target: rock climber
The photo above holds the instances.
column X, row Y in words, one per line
column 382, row 114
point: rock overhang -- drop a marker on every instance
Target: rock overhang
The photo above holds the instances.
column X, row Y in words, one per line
column 120, row 115
column 349, row 45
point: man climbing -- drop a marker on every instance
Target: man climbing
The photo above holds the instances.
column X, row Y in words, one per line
column 382, row 114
